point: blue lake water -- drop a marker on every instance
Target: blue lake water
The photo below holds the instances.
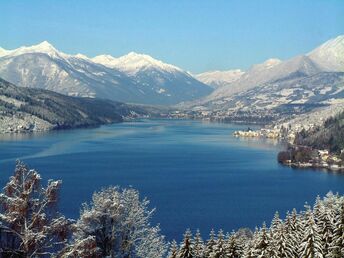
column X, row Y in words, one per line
column 196, row 174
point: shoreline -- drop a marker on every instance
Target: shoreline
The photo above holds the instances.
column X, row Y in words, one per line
column 312, row 158
column 319, row 167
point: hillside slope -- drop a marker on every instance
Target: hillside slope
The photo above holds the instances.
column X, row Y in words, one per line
column 26, row 109
column 329, row 57
column 329, row 136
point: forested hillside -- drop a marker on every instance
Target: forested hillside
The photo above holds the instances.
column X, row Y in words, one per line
column 329, row 136
column 316, row 232
column 36, row 109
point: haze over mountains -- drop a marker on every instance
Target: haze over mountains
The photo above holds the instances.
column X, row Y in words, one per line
column 132, row 78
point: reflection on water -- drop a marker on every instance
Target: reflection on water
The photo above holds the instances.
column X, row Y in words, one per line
column 254, row 142
column 21, row 136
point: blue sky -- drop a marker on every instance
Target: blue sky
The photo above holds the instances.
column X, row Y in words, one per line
column 197, row 35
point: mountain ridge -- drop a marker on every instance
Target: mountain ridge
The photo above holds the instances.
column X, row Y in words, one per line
column 43, row 66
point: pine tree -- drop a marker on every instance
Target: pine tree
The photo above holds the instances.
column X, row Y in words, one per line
column 210, row 243
column 337, row 245
column 233, row 248
column 29, row 221
column 198, row 248
column 323, row 220
column 296, row 232
column 262, row 248
column 311, row 246
column 173, row 250
column 317, row 208
column 249, row 249
column 276, row 222
column 291, row 234
column 219, row 246
column 282, row 246
column 186, row 247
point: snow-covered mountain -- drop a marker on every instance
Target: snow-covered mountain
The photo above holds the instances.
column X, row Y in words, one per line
column 134, row 63
column 319, row 89
column 270, row 70
column 330, row 55
column 132, row 78
column 167, row 80
column 278, row 88
column 217, row 79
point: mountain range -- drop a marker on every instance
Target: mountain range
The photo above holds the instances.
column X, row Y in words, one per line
column 327, row 57
column 133, row 78
column 278, row 87
column 299, row 83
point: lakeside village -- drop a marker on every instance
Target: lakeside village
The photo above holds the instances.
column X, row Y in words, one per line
column 295, row 155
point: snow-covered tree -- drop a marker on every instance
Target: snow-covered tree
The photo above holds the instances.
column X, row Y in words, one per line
column 262, row 247
column 276, row 222
column 173, row 252
column 291, row 234
column 323, row 219
column 86, row 248
column 209, row 247
column 313, row 233
column 198, row 245
column 120, row 223
column 337, row 245
column 29, row 222
column 311, row 246
column 233, row 248
column 282, row 243
column 249, row 251
column 186, row 247
column 219, row 250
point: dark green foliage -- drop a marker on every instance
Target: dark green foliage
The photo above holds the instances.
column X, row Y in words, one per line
column 329, row 136
column 283, row 156
column 297, row 154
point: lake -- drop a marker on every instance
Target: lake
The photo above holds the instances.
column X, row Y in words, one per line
column 196, row 174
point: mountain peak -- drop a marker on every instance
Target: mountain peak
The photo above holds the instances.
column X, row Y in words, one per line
column 45, row 44
column 218, row 78
column 44, row 47
column 272, row 61
column 330, row 55
column 337, row 42
column 3, row 52
column 81, row 56
column 267, row 64
column 134, row 62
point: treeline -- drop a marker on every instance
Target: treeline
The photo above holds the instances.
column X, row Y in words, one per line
column 115, row 224
column 329, row 136
column 316, row 232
